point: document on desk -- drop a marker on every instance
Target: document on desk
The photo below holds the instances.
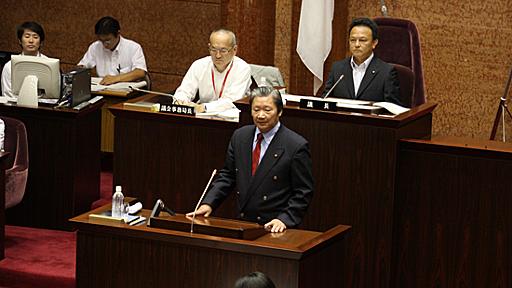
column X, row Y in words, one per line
column 391, row 107
column 120, row 86
column 228, row 115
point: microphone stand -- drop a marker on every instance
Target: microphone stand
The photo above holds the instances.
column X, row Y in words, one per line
column 153, row 92
column 502, row 107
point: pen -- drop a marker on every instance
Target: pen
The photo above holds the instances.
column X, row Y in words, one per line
column 119, row 69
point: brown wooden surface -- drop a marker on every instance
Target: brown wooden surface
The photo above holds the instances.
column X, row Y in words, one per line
column 453, row 220
column 168, row 156
column 118, row 255
column 354, row 161
column 64, row 164
column 210, row 226
column 107, row 119
column 3, row 158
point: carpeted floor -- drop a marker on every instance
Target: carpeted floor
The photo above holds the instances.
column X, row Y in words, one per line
column 38, row 258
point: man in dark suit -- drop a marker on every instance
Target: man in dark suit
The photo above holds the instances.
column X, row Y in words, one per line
column 365, row 77
column 269, row 164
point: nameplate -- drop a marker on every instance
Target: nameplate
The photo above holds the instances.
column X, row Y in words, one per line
column 317, row 105
column 177, row 109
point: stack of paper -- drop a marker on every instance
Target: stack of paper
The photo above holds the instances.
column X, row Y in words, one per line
column 120, row 86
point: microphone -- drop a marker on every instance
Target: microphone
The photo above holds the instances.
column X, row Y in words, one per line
column 153, row 92
column 159, row 205
column 201, row 199
column 332, row 88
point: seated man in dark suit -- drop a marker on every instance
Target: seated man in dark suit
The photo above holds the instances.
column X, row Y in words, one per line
column 274, row 181
column 365, row 77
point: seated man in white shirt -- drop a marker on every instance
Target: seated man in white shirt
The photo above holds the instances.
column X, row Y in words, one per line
column 31, row 38
column 115, row 58
column 220, row 78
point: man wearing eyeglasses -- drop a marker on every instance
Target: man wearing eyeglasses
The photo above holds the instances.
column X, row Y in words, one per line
column 220, row 78
column 115, row 58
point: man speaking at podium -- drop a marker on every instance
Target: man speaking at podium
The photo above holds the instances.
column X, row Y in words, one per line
column 219, row 79
column 269, row 164
column 365, row 77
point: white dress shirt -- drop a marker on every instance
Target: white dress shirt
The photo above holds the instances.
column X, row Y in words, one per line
column 6, row 78
column 199, row 78
column 267, row 138
column 126, row 57
column 358, row 71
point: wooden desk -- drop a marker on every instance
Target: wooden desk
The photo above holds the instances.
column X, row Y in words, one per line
column 354, row 160
column 3, row 158
column 107, row 119
column 118, row 255
column 453, row 223
column 168, row 156
column 64, row 164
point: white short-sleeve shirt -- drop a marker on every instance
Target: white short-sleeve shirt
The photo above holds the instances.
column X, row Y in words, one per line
column 126, row 57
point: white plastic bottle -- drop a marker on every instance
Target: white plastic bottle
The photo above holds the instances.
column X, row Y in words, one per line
column 118, row 203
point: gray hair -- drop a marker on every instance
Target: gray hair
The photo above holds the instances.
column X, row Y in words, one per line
column 265, row 91
column 226, row 31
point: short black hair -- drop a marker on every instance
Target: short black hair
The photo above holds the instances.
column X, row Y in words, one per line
column 265, row 91
column 32, row 26
column 365, row 22
column 107, row 25
column 255, row 280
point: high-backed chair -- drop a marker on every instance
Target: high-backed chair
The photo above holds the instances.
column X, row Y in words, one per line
column 399, row 43
column 16, row 172
column 272, row 75
column 406, row 78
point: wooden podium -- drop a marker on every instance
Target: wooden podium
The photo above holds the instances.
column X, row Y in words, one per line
column 453, row 221
column 119, row 255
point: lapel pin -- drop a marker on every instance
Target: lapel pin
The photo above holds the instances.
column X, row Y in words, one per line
column 373, row 71
column 275, row 155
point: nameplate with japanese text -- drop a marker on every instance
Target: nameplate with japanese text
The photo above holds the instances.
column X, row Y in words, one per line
column 177, row 109
column 318, row 105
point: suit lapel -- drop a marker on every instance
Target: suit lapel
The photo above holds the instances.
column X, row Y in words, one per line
column 246, row 151
column 274, row 152
column 369, row 75
column 349, row 81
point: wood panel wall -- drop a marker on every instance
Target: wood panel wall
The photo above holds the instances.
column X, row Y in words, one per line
column 172, row 33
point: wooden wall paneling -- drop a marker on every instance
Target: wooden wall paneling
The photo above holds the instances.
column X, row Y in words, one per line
column 254, row 24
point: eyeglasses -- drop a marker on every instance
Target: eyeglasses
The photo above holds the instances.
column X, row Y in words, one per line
column 222, row 51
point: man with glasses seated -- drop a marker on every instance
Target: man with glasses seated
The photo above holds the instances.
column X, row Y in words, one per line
column 115, row 58
column 220, row 78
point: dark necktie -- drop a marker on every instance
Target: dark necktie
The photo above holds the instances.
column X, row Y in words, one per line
column 256, row 153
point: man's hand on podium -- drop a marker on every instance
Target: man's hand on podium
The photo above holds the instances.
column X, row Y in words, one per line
column 204, row 210
column 275, row 226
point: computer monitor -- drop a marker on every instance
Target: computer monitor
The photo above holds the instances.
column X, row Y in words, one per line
column 46, row 70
